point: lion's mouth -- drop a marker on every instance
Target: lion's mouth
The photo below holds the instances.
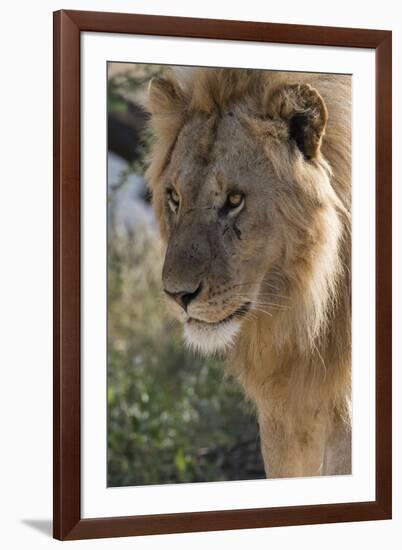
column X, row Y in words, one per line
column 238, row 313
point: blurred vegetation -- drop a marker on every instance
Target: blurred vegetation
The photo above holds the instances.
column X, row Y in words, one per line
column 172, row 416
column 128, row 84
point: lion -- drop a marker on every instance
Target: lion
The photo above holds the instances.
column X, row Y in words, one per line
column 250, row 174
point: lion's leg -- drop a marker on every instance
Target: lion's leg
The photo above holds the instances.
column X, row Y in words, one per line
column 338, row 451
column 294, row 449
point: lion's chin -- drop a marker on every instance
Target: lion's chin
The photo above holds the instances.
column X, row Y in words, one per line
column 209, row 338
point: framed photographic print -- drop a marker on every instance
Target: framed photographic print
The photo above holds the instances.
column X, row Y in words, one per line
column 222, row 266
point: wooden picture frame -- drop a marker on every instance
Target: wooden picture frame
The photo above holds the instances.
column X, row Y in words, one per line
column 68, row 26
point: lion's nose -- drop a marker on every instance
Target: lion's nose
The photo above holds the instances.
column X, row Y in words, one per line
column 184, row 297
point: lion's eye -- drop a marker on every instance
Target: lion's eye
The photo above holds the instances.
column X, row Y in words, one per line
column 173, row 200
column 233, row 204
column 235, row 199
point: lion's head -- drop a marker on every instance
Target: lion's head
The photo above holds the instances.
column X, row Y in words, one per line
column 243, row 198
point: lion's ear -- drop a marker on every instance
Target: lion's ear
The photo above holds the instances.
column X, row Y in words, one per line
column 305, row 113
column 164, row 96
column 167, row 103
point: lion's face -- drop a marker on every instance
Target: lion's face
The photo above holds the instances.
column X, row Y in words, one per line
column 222, row 231
column 221, row 201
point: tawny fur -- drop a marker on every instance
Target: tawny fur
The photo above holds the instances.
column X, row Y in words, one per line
column 292, row 352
